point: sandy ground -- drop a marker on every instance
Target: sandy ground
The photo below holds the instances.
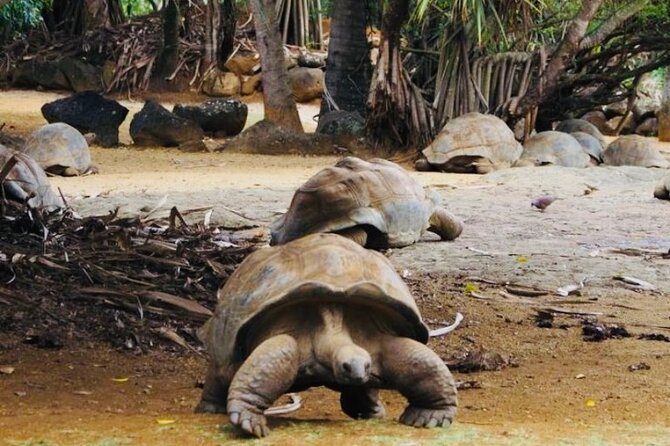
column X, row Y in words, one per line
column 564, row 391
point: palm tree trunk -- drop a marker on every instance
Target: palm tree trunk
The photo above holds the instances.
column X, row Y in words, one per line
column 397, row 114
column 348, row 66
column 664, row 113
column 278, row 100
column 548, row 82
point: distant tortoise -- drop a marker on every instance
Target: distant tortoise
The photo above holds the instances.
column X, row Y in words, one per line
column 27, row 183
column 471, row 143
column 633, row 150
column 321, row 311
column 581, row 125
column 662, row 191
column 60, row 149
column 376, row 203
column 591, row 146
column 552, row 147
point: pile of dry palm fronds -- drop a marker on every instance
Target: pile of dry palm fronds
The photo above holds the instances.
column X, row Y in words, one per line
column 126, row 281
column 131, row 47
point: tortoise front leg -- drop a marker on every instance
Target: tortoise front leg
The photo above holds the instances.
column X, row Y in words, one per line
column 267, row 373
column 423, row 378
column 361, row 402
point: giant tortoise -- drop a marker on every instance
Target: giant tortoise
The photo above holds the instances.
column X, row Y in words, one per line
column 472, row 143
column 27, row 183
column 581, row 125
column 591, row 146
column 321, row 311
column 552, row 147
column 633, row 150
column 376, row 203
column 60, row 149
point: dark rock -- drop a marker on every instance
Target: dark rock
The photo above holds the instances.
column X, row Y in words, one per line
column 596, row 332
column 222, row 116
column 45, row 74
column 65, row 74
column 80, row 75
column 654, row 337
column 648, row 127
column 89, row 112
column 342, row 124
column 154, row 125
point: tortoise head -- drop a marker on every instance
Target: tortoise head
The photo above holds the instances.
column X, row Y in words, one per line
column 351, row 365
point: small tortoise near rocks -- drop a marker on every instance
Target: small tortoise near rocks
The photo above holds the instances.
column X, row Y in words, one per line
column 375, row 203
column 60, row 149
column 27, row 183
column 321, row 311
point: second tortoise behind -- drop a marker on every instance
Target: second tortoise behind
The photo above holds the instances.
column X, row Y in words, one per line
column 376, row 203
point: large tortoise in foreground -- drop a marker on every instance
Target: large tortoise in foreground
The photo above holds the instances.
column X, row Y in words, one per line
column 472, row 143
column 376, row 203
column 27, row 183
column 321, row 311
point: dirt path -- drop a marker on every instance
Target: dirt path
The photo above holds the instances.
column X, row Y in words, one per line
column 67, row 397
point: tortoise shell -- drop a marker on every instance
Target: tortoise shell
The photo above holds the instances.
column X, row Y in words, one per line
column 377, row 195
column 57, row 147
column 590, row 144
column 633, row 150
column 26, row 181
column 470, row 137
column 556, row 148
column 581, row 125
column 316, row 269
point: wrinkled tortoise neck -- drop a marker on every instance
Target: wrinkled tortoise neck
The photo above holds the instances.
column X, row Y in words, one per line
column 333, row 342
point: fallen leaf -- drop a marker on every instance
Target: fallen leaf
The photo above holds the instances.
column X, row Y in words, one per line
column 83, row 392
column 521, row 259
column 635, row 283
column 590, row 403
column 7, row 370
column 163, row 421
column 470, row 287
column 120, row 379
column 580, row 376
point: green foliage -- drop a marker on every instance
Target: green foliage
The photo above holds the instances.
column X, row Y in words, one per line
column 18, row 16
column 135, row 8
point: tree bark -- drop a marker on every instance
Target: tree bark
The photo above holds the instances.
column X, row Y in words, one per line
column 560, row 59
column 78, row 16
column 397, row 114
column 169, row 53
column 227, row 29
column 278, row 100
column 348, row 69
column 212, row 21
column 664, row 113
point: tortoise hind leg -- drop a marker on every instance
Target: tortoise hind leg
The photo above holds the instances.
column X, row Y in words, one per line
column 215, row 392
column 268, row 372
column 423, row 378
column 361, row 403
column 445, row 224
